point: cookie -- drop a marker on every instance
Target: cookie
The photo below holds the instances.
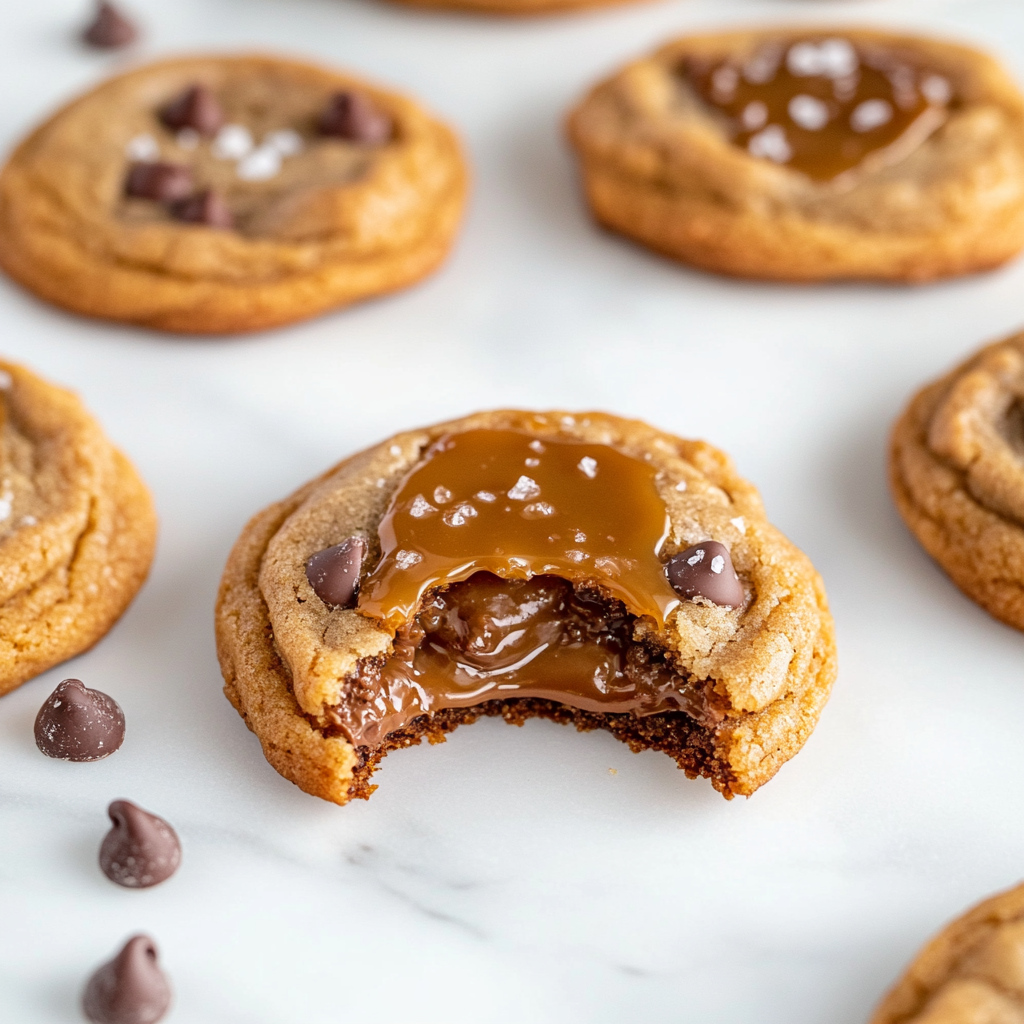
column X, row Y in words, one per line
column 222, row 194
column 582, row 568
column 956, row 469
column 800, row 155
column 77, row 528
column 972, row 972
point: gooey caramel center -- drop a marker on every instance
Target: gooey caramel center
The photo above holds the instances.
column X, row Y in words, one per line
column 823, row 106
column 509, row 503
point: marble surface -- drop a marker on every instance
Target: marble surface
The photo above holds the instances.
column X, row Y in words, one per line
column 529, row 874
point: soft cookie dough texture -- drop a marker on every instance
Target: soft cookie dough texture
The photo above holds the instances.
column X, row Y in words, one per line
column 956, row 468
column 970, row 973
column 338, row 223
column 285, row 655
column 77, row 528
column 659, row 166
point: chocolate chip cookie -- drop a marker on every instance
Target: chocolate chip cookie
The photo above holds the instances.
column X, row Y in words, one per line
column 956, row 468
column 77, row 528
column 803, row 155
column 221, row 194
column 582, row 568
column 972, row 972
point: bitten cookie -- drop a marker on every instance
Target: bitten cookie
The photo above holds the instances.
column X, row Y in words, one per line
column 803, row 155
column 956, row 468
column 77, row 528
column 972, row 972
column 582, row 568
column 223, row 194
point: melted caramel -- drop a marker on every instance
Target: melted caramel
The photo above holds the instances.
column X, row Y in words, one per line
column 487, row 638
column 509, row 503
column 823, row 106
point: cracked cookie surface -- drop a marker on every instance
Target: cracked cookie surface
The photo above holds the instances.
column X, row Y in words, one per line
column 956, row 470
column 799, row 155
column 224, row 194
column 758, row 674
column 77, row 531
column 972, row 972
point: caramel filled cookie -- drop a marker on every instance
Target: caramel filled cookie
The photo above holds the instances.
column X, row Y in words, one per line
column 956, row 467
column 972, row 972
column 221, row 194
column 806, row 155
column 586, row 569
column 77, row 528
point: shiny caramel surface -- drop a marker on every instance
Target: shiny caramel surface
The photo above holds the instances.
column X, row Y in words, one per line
column 486, row 638
column 823, row 106
column 517, row 506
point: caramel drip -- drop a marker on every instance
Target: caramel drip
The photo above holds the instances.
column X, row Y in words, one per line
column 823, row 106
column 509, row 503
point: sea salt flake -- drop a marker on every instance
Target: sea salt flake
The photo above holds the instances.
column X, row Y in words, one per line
column 870, row 114
column 580, row 537
column 588, row 467
column 717, row 564
column 681, row 486
column 421, row 508
column 142, row 147
column 740, row 523
column 770, row 144
column 395, row 450
column 533, row 463
column 459, row 515
column 808, row 112
column 442, row 495
column 831, row 58
column 486, row 496
column 407, row 559
column 524, row 489
column 537, row 446
column 608, row 565
column 232, row 142
column 697, row 556
column 936, row 89
column 538, row 510
column 260, row 165
column 286, row 141
column 576, row 556
column 754, row 116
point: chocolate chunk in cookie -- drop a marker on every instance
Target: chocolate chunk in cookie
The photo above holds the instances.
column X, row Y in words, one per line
column 514, row 564
column 196, row 108
column 110, row 29
column 354, row 117
column 705, row 570
column 161, row 182
column 204, row 208
column 140, row 850
column 805, row 156
column 130, row 989
column 79, row 724
column 334, row 572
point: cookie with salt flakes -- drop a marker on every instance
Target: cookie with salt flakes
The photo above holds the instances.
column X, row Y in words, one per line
column 582, row 568
column 222, row 194
column 805, row 154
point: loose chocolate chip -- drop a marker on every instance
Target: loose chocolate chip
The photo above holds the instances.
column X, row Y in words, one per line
column 705, row 570
column 110, row 28
column 334, row 572
column 130, row 989
column 353, row 116
column 196, row 108
column 140, row 850
column 79, row 724
column 163, row 182
column 204, row 208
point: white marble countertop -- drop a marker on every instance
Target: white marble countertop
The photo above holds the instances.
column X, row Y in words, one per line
column 530, row 874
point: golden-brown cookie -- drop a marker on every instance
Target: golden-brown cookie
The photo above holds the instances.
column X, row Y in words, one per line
column 972, row 972
column 956, row 468
column 222, row 194
column 77, row 528
column 803, row 155
column 584, row 568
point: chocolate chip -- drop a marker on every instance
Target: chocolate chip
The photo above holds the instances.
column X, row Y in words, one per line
column 110, row 28
column 79, row 724
column 130, row 989
column 204, row 208
column 353, row 116
column 196, row 108
column 334, row 572
column 705, row 570
column 140, row 850
column 163, row 182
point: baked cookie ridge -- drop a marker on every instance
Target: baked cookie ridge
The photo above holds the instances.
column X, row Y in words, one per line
column 345, row 631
